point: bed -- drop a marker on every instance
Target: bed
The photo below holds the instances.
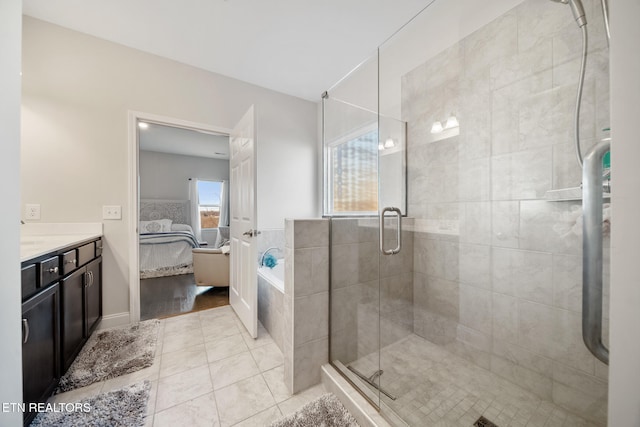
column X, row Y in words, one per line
column 166, row 238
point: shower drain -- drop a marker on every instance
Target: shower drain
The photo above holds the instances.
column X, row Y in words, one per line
column 483, row 422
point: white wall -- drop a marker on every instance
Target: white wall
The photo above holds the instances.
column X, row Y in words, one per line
column 165, row 176
column 286, row 167
column 10, row 313
column 77, row 91
column 624, row 368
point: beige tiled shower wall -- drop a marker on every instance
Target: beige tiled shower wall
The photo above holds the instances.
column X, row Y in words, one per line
column 306, row 302
column 371, row 294
column 497, row 269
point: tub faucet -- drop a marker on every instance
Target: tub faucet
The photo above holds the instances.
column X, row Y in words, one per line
column 264, row 254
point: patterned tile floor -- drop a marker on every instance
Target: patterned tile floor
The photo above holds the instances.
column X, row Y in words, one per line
column 209, row 372
column 439, row 389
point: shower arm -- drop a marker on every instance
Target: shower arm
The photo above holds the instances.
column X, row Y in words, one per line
column 592, row 251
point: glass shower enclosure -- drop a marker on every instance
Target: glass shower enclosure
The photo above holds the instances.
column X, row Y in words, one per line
column 456, row 242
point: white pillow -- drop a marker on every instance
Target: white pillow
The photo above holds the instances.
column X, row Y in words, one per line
column 156, row 226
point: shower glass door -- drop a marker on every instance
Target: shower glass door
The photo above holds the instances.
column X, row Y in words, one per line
column 473, row 316
column 351, row 138
column 481, row 310
column 365, row 181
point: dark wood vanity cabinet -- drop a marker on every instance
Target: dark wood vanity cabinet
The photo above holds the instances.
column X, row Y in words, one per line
column 72, row 316
column 93, row 296
column 40, row 346
column 81, row 308
column 62, row 306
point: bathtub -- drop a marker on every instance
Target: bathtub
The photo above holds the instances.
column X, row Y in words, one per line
column 275, row 275
column 271, row 301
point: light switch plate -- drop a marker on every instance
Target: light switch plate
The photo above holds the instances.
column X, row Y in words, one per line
column 32, row 211
column 112, row 212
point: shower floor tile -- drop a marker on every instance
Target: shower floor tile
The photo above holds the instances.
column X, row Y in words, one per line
column 437, row 388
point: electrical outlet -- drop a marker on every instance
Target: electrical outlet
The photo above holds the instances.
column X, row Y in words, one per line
column 112, row 212
column 32, row 211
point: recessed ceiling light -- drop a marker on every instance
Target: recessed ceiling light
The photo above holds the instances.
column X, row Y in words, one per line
column 143, row 125
column 452, row 122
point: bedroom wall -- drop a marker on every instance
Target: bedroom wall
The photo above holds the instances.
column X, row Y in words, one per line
column 77, row 91
column 165, row 176
column 10, row 351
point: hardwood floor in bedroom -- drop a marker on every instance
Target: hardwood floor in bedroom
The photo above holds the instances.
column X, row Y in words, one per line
column 162, row 297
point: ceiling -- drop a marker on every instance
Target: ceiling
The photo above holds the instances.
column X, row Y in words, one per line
column 298, row 47
column 173, row 140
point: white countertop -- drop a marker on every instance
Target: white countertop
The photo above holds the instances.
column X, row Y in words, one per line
column 37, row 239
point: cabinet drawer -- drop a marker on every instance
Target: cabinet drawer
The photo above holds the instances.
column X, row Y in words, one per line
column 49, row 271
column 29, row 280
column 69, row 261
column 86, row 253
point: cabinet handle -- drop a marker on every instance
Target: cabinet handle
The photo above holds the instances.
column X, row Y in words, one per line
column 90, row 273
column 25, row 331
column 53, row 270
column 72, row 261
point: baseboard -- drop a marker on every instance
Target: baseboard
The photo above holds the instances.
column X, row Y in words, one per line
column 117, row 319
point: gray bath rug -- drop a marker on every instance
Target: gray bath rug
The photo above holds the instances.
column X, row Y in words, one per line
column 125, row 407
column 325, row 411
column 112, row 352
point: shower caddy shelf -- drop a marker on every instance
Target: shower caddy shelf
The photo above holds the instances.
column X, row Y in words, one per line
column 567, row 195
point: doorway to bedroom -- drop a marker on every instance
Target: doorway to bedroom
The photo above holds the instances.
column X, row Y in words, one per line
column 183, row 221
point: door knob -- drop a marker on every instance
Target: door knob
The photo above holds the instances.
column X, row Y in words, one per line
column 251, row 233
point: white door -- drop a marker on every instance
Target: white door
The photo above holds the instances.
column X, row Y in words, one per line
column 243, row 289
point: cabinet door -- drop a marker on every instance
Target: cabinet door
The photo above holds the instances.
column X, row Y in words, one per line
column 93, row 296
column 40, row 346
column 72, row 328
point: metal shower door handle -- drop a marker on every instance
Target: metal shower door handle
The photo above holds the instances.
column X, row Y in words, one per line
column 592, row 251
column 398, row 213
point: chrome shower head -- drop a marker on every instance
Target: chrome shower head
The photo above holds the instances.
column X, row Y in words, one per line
column 577, row 9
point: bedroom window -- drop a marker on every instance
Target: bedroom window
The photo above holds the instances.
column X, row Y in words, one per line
column 351, row 174
column 209, row 203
